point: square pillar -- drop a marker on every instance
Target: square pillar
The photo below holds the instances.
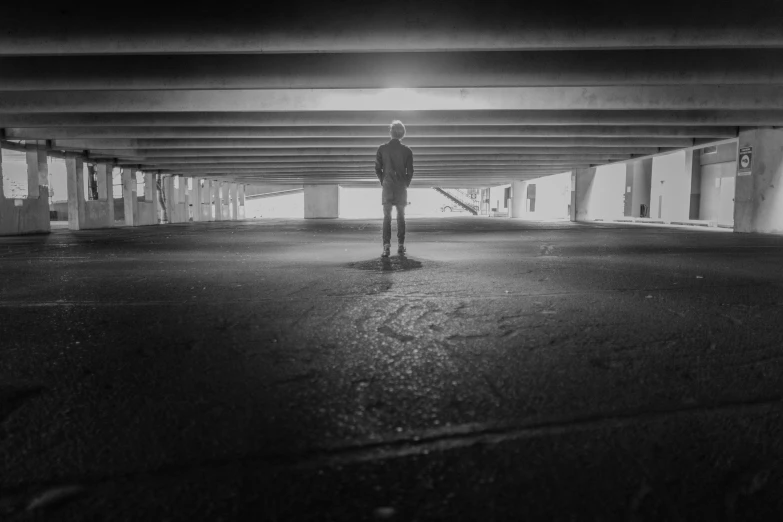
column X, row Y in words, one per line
column 206, row 201
column 241, row 195
column 166, row 202
column 518, row 206
column 234, row 201
column 321, row 201
column 584, row 179
column 218, row 202
column 129, row 198
column 74, row 168
column 33, row 179
column 194, row 199
column 638, row 176
column 758, row 192
column 104, row 211
column 187, row 198
column 172, row 198
column 38, row 188
column 148, row 211
column 29, row 214
column 572, row 205
column 224, row 189
column 84, row 214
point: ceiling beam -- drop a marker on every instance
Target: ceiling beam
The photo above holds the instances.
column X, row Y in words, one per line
column 334, row 151
column 369, row 159
column 398, row 70
column 199, row 118
column 371, row 143
column 655, row 97
column 378, row 132
column 350, row 26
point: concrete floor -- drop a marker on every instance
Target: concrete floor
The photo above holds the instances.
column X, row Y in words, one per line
column 279, row 370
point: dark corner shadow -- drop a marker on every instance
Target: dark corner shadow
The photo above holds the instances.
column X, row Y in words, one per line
column 387, row 264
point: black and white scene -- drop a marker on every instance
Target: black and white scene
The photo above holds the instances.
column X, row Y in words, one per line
column 396, row 260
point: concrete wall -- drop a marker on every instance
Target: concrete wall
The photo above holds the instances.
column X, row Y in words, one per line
column 321, row 201
column 553, row 197
column 604, row 194
column 30, row 214
column 255, row 189
column 717, row 192
column 671, row 187
column 759, row 196
column 725, row 152
column 497, row 198
column 584, row 180
column 148, row 207
column 639, row 178
column 24, row 216
column 148, row 213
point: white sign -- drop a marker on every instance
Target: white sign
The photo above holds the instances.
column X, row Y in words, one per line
column 745, row 161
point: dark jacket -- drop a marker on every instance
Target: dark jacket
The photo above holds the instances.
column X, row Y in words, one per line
column 394, row 168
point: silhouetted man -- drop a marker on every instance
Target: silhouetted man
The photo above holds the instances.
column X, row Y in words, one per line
column 394, row 167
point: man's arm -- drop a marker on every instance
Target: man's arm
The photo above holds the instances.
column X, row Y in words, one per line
column 379, row 165
column 409, row 168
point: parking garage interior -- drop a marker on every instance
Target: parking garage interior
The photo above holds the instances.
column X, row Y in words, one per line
column 196, row 323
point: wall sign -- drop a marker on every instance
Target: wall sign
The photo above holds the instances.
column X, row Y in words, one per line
column 745, row 161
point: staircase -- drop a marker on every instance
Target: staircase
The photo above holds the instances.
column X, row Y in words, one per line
column 461, row 198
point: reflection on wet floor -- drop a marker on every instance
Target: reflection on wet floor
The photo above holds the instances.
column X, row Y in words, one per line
column 387, row 264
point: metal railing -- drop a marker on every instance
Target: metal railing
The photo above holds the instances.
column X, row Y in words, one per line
column 462, row 198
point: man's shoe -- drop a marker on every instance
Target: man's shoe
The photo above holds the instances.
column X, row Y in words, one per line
column 386, row 249
column 401, row 250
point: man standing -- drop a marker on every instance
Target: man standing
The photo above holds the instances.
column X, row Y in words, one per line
column 394, row 168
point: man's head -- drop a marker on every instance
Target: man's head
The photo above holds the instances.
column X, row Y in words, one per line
column 397, row 130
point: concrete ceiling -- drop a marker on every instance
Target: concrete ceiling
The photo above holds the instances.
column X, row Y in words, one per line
column 297, row 93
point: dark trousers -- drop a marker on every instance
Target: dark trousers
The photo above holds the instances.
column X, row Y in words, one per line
column 387, row 211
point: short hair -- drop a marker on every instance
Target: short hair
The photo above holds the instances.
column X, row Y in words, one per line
column 397, row 129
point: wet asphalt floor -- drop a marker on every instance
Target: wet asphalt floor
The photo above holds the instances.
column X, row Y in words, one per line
column 280, row 370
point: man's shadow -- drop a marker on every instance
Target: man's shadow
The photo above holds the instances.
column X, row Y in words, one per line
column 396, row 263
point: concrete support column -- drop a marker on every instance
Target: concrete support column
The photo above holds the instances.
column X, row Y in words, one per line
column 758, row 199
column 321, row 201
column 194, row 199
column 104, row 212
column 584, row 187
column 166, row 207
column 172, row 198
column 206, row 201
column 148, row 209
column 129, row 199
column 234, row 201
column 218, row 201
column 33, row 180
column 74, row 168
column 241, row 195
column 30, row 214
column 518, row 199
column 179, row 199
column 38, row 188
column 572, row 206
column 638, row 178
column 693, row 171
column 184, row 207
column 190, row 190
column 224, row 188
